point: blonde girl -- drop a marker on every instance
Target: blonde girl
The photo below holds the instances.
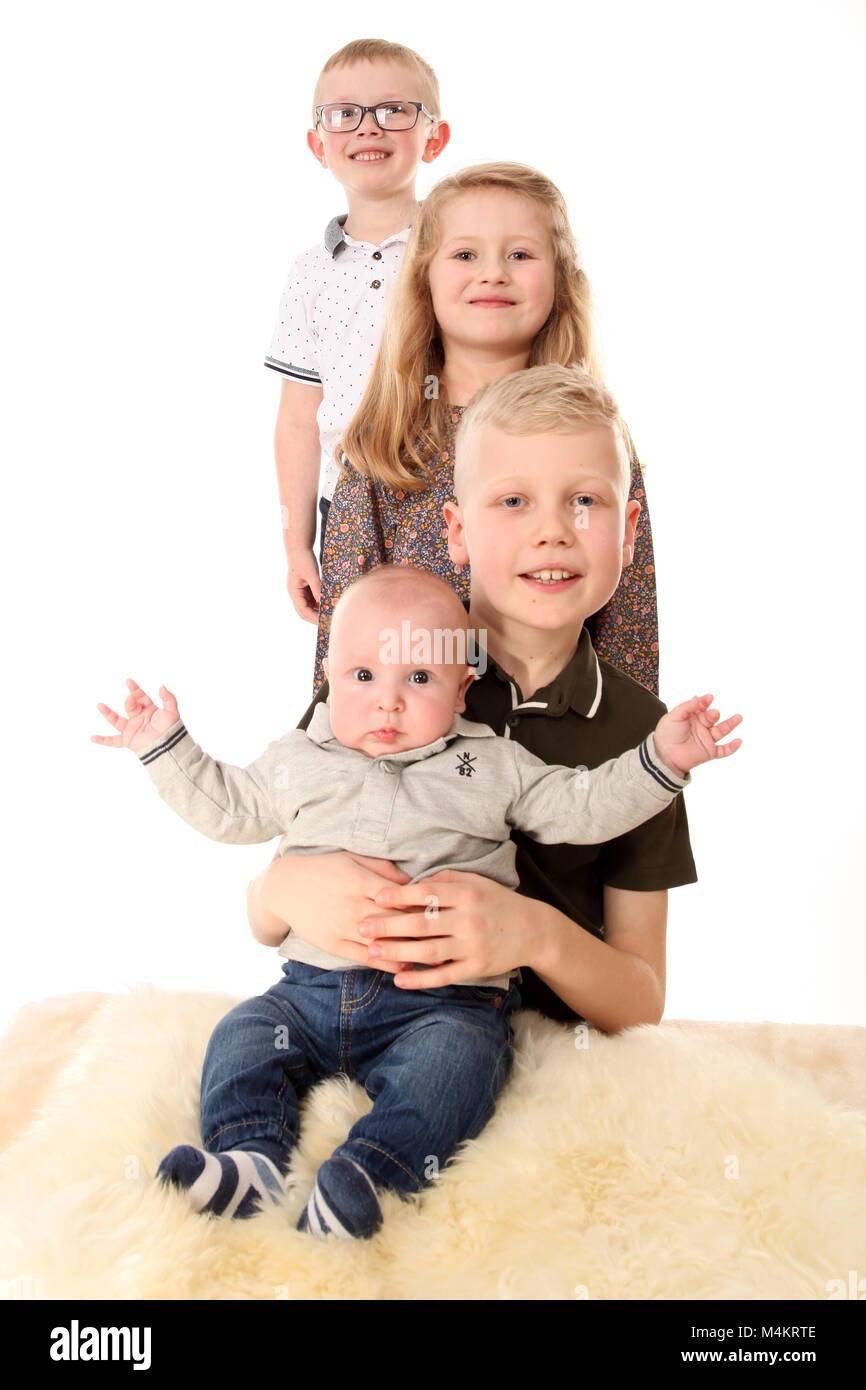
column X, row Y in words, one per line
column 491, row 283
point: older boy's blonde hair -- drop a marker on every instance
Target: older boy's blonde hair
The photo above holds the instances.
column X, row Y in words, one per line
column 400, row 423
column 371, row 50
column 549, row 399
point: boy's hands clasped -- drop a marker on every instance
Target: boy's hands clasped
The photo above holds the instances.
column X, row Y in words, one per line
column 689, row 734
column 145, row 721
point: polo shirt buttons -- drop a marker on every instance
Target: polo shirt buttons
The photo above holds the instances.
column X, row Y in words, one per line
column 377, row 255
column 374, row 284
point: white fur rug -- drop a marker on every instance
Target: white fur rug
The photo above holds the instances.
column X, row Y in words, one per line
column 656, row 1164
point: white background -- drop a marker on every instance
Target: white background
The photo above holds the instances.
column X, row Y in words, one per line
column 157, row 184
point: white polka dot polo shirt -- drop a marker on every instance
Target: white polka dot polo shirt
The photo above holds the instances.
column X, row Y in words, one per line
column 329, row 326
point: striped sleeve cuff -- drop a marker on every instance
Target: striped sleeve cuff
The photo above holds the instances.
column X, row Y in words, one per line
column 166, row 743
column 295, row 373
column 652, row 763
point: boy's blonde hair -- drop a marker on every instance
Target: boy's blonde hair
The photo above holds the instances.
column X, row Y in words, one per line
column 549, row 399
column 400, row 423
column 371, row 50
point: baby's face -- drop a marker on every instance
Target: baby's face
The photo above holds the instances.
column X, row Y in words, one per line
column 384, row 696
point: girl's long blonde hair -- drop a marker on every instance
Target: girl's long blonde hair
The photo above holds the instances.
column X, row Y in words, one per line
column 400, row 423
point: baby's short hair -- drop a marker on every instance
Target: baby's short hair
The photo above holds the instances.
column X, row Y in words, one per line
column 411, row 583
column 548, row 399
column 446, row 640
column 369, row 50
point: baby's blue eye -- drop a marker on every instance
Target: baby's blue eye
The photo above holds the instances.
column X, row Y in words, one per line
column 584, row 500
column 506, row 500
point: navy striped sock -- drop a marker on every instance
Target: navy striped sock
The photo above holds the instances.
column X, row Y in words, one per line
column 343, row 1202
column 228, row 1184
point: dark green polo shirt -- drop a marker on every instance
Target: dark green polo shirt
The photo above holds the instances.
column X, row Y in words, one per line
column 591, row 712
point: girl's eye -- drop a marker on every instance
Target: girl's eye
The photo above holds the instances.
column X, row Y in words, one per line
column 419, row 677
column 524, row 254
column 506, row 500
column 459, row 255
column 363, row 673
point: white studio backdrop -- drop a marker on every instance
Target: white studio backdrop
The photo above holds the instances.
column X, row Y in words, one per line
column 157, row 185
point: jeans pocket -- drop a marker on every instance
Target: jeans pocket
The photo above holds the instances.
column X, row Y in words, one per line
column 485, row 994
column 502, row 997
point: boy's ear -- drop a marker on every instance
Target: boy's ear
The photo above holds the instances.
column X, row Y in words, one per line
column 436, row 142
column 632, row 511
column 456, row 543
column 317, row 145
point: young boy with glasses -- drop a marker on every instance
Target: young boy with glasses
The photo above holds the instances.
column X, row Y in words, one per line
column 375, row 119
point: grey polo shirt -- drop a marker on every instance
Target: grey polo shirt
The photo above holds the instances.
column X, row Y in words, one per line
column 449, row 804
column 329, row 325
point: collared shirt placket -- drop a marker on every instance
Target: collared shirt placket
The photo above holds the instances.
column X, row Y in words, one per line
column 376, row 801
column 556, row 707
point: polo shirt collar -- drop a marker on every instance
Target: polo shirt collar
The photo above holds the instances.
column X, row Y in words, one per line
column 334, row 233
column 319, row 731
column 335, row 237
column 578, row 685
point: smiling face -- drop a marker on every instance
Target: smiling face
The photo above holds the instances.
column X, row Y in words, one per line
column 379, row 703
column 492, row 278
column 369, row 161
column 547, row 523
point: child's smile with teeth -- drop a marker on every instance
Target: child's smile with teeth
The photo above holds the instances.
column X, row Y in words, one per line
column 550, row 576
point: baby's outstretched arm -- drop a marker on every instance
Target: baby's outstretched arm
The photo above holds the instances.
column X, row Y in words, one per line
column 575, row 806
column 689, row 735
column 235, row 805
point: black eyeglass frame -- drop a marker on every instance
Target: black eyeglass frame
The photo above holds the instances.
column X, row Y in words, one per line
column 419, row 107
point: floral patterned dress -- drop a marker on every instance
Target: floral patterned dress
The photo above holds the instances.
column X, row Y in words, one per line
column 370, row 523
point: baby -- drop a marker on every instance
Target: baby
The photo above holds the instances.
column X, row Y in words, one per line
column 387, row 767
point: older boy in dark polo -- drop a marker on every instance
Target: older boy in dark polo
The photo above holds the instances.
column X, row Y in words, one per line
column 542, row 481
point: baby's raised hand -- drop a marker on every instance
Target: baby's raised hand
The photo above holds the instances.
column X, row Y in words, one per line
column 689, row 735
column 145, row 721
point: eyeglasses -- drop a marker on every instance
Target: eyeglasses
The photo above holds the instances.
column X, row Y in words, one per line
column 339, row 117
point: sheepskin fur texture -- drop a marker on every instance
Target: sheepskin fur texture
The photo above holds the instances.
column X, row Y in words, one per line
column 665, row 1162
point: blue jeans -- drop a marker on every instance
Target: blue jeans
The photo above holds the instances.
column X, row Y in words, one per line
column 432, row 1060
